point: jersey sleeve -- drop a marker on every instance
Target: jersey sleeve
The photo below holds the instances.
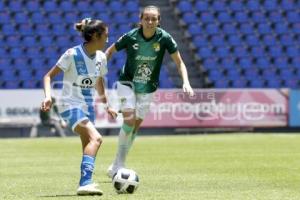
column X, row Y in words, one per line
column 103, row 68
column 65, row 60
column 122, row 42
column 171, row 44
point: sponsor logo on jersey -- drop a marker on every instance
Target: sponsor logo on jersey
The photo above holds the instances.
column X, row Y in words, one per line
column 156, row 46
column 135, row 46
column 84, row 83
column 145, row 58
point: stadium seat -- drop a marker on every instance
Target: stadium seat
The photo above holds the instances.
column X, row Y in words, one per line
column 293, row 51
column 264, row 28
column 66, row 6
column 204, row 52
column 246, row 28
column 221, row 83
column 20, row 18
column 15, row 6
column 253, row 5
column 201, row 6
column 116, row 6
column 29, row 41
column 37, row 17
column 194, row 29
column 50, row 6
column 42, row 29
column 218, row 40
column 241, row 17
column 211, row 29
column 207, row 17
column 58, row 29
column 236, row 6
column 270, row 5
column 281, row 28
column 293, row 17
column 269, row 40
column 2, row 6
column 224, row 17
column 233, row 74
column 234, row 40
column 13, row 40
column 8, row 29
column 32, row 5
column 245, row 63
column 257, row 51
column 263, row 62
column 281, row 62
column 228, row 63
column 287, row 39
column 11, row 84
column 189, row 18
column 252, row 40
column 219, row 6
column 257, row 83
column 274, row 83
column 275, row 17
column 83, row 6
column 239, row 83
column 4, row 17
column 288, row 5
column 5, row 63
column 54, row 17
column 258, row 17
column 240, row 51
column 185, row 6
column 222, row 52
column 200, row 40
column 210, row 63
column 132, row 6
column 229, row 28
column 215, row 74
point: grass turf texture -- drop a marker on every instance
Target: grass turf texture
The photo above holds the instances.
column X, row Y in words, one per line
column 225, row 167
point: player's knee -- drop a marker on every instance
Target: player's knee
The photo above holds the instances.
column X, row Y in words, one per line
column 97, row 140
column 130, row 122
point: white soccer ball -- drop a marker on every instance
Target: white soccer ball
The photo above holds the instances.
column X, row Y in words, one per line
column 125, row 181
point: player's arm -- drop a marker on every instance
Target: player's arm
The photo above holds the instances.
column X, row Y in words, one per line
column 46, row 104
column 100, row 87
column 183, row 72
column 110, row 51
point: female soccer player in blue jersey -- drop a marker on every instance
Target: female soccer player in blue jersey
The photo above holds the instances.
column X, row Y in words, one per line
column 145, row 47
column 84, row 67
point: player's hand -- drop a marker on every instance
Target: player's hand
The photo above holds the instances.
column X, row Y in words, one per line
column 112, row 113
column 46, row 104
column 188, row 89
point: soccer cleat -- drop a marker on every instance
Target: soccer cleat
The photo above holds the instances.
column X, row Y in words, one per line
column 89, row 189
column 112, row 170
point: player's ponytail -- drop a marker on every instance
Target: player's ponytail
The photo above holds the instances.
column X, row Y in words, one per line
column 87, row 27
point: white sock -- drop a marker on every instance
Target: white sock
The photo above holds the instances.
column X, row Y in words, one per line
column 125, row 142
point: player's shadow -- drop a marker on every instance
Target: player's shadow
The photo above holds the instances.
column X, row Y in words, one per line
column 69, row 195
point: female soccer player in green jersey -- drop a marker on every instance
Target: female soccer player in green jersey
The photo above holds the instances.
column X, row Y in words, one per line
column 145, row 47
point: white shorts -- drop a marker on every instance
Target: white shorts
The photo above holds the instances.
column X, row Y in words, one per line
column 128, row 99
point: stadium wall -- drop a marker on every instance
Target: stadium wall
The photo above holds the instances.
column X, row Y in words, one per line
column 171, row 108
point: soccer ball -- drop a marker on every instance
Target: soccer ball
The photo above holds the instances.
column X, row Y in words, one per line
column 125, row 181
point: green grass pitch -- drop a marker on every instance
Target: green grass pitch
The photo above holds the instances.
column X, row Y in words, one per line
column 187, row 167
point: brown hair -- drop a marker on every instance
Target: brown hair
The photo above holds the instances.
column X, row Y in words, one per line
column 150, row 7
column 89, row 26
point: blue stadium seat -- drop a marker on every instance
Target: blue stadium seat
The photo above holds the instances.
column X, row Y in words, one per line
column 257, row 83
column 25, row 74
column 5, row 63
column 251, row 73
column 269, row 40
column 116, row 6
column 54, row 17
column 204, row 52
column 275, row 51
column 222, row 52
column 42, row 29
column 221, row 83
column 239, row 83
column 281, row 62
column 50, row 52
column 270, row 73
column 258, row 17
column 240, row 51
column 83, row 6
column 190, row 17
column 207, row 17
column 50, row 6
column 219, row 6
column 29, row 84
column 8, row 29
column 37, row 17
column 264, row 28
column 100, row 6
column 246, row 28
column 4, row 17
column 59, row 29
column 275, row 17
column 66, row 6
column 26, row 29
column 229, row 28
column 236, row 5
column 293, row 17
column 13, row 41
column 46, row 40
column 15, row 6
column 215, row 74
column 134, row 17
column 8, row 74
column 32, row 5
column 4, row 53
column 241, row 17
column 124, row 28
column 224, row 17
column 211, row 29
column 2, row 6
column 281, row 28
column 11, row 84
column 33, row 52
column 257, row 51
column 120, row 17
column 20, row 63
column 184, row 6
column 228, row 63
column 200, row 40
column 294, row 84
column 263, row 63
column 233, row 74
column 104, row 17
column 253, row 5
column 245, row 62
column 16, row 52
column 234, row 40
column 252, row 40
column 293, row 51
column 29, row 41
column 194, row 29
column 37, row 63
column 287, row 40
column 270, row 5
column 63, row 41
column 288, row 73
column 296, row 28
column 218, row 40
column 40, row 73
column 132, row 6
column 288, row 5
column 21, row 17
column 201, row 6
column 274, row 83
column 210, row 63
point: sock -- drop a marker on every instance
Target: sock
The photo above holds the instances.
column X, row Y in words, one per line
column 124, row 140
column 132, row 138
column 87, row 168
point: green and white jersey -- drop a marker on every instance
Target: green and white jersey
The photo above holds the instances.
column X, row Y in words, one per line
column 144, row 58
